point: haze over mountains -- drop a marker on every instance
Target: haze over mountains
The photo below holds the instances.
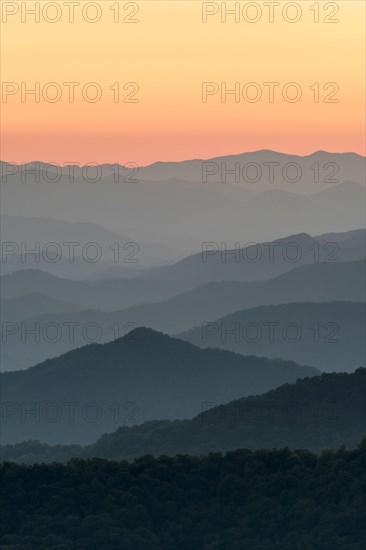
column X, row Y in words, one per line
column 87, row 251
column 106, row 294
column 333, row 168
column 28, row 305
column 183, row 342
column 143, row 376
column 215, row 251
column 325, row 410
column 261, row 261
column 314, row 412
column 326, row 335
column 310, row 283
column 75, row 250
column 159, row 205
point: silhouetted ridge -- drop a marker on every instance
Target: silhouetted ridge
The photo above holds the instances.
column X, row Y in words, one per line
column 313, row 413
column 146, row 335
column 345, row 349
column 148, row 374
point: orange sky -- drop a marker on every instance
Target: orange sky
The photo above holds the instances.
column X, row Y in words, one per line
column 169, row 53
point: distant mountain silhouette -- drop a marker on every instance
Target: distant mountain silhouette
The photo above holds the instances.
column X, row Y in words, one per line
column 278, row 212
column 310, row 283
column 77, row 270
column 30, row 305
column 326, row 335
column 346, row 165
column 343, row 166
column 29, row 232
column 145, row 375
column 356, row 237
column 116, row 272
column 175, row 207
column 315, row 413
column 106, row 294
column 262, row 261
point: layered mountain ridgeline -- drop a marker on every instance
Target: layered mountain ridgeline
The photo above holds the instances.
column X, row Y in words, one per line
column 346, row 166
column 143, row 376
column 219, row 210
column 30, row 305
column 310, row 283
column 262, row 500
column 336, row 166
column 75, row 250
column 36, row 245
column 329, row 335
column 318, row 283
column 315, row 413
column 218, row 261
column 45, row 244
column 105, row 294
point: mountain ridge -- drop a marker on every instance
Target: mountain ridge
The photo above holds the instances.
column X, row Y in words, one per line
column 317, row 412
column 150, row 373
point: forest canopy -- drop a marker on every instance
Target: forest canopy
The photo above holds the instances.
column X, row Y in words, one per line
column 262, row 500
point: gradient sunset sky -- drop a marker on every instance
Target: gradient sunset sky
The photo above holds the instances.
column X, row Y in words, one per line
column 169, row 53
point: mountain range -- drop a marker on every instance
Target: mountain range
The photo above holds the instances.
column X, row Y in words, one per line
column 175, row 207
column 21, row 307
column 261, row 261
column 315, row 413
column 106, row 294
column 78, row 250
column 143, row 376
column 326, row 335
column 333, row 168
column 207, row 303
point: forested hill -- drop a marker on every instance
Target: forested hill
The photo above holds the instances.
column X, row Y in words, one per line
column 318, row 412
column 145, row 375
column 262, row 500
column 314, row 413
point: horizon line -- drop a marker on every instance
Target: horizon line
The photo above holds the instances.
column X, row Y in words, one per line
column 319, row 151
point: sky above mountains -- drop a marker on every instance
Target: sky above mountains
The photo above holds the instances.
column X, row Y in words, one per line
column 149, row 61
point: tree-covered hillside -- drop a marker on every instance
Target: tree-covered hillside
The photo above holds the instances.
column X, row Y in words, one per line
column 263, row 500
column 145, row 375
column 318, row 412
